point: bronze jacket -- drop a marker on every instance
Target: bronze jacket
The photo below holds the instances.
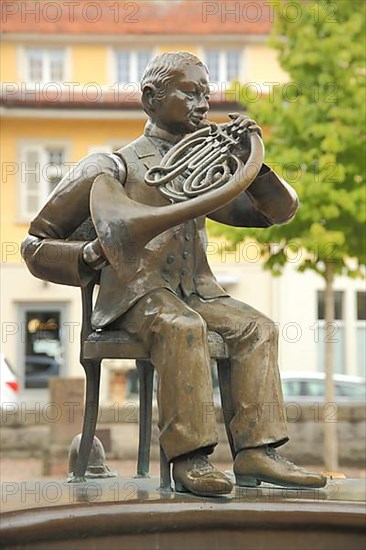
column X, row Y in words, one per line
column 175, row 259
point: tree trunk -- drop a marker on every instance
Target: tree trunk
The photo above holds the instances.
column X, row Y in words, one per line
column 330, row 425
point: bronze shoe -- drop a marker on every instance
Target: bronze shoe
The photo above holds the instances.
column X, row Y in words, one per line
column 252, row 466
column 195, row 474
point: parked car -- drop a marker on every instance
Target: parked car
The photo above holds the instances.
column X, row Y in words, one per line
column 9, row 382
column 310, row 387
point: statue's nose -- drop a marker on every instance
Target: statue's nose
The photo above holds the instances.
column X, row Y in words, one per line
column 202, row 106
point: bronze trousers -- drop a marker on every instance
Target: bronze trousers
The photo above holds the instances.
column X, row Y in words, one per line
column 175, row 331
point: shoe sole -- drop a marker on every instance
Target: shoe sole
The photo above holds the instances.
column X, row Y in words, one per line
column 244, row 481
column 182, row 489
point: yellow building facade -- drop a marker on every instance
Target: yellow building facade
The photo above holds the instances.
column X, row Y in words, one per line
column 66, row 94
column 31, row 111
column 71, row 89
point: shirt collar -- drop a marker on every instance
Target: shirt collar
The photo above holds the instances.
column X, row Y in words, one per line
column 152, row 130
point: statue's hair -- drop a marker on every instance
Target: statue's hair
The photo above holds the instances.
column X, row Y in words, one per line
column 160, row 70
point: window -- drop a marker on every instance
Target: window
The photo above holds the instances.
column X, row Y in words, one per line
column 223, row 65
column 338, row 304
column 42, row 345
column 45, row 65
column 212, row 59
column 42, row 167
column 130, row 65
column 361, row 306
column 361, row 332
column 336, row 337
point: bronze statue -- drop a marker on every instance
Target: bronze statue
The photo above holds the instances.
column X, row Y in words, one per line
column 155, row 281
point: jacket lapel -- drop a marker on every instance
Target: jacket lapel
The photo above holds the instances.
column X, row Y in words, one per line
column 147, row 152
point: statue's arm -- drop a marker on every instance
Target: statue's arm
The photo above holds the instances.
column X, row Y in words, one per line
column 268, row 200
column 52, row 250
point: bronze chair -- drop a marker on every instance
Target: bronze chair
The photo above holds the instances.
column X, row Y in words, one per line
column 111, row 344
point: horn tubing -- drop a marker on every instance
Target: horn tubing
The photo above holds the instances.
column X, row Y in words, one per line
column 128, row 224
column 172, row 169
column 200, row 206
column 211, row 161
column 201, row 134
column 197, row 151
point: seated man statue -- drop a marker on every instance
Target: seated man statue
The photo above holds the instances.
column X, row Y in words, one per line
column 169, row 298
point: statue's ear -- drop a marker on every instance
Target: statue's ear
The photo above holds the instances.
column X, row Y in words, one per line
column 148, row 98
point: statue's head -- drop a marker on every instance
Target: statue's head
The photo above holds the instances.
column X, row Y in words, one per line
column 175, row 91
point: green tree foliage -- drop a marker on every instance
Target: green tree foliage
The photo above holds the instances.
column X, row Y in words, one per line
column 315, row 126
column 316, row 141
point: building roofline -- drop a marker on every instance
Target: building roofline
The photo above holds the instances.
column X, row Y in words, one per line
column 87, row 114
column 59, row 99
column 71, row 113
column 138, row 18
column 132, row 39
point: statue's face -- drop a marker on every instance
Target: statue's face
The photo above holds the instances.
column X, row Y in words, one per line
column 185, row 107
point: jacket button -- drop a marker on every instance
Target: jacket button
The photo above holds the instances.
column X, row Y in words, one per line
column 187, row 237
column 184, row 272
column 186, row 254
column 170, row 259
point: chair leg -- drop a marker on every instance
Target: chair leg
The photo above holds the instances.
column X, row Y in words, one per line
column 165, row 476
column 224, row 374
column 145, row 372
column 92, row 372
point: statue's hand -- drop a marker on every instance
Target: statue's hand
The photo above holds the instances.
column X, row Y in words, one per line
column 240, row 127
column 240, row 123
column 93, row 255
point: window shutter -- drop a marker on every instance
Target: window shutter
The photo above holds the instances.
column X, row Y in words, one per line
column 30, row 182
column 42, row 167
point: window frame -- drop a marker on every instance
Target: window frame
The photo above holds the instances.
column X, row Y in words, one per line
column 24, row 68
column 223, row 64
column 133, row 70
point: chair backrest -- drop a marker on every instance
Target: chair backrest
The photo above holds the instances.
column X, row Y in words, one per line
column 86, row 232
column 87, row 293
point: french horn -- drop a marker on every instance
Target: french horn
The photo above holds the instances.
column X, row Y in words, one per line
column 204, row 160
column 199, row 175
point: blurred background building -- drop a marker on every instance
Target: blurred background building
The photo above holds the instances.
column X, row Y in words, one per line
column 70, row 73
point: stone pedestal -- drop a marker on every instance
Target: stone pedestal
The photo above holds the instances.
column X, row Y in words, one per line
column 124, row 513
